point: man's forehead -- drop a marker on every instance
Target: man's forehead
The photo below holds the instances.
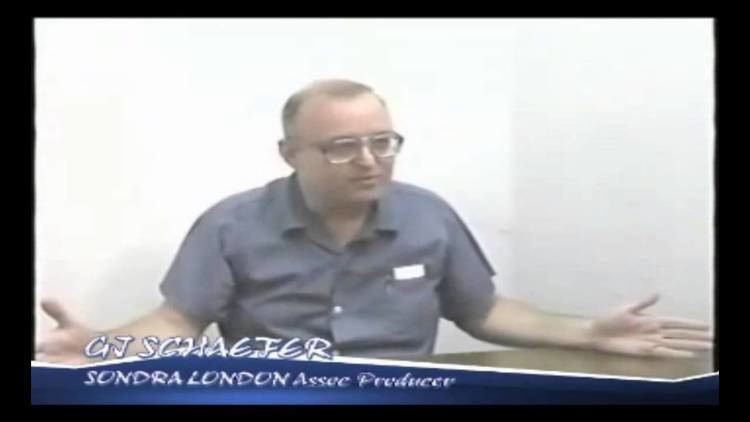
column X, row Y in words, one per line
column 326, row 116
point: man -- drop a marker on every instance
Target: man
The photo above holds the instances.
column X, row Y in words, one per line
column 338, row 250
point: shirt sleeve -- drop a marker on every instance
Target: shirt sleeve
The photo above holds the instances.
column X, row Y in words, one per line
column 467, row 291
column 200, row 282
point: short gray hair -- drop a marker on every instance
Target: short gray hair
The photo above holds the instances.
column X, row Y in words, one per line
column 335, row 88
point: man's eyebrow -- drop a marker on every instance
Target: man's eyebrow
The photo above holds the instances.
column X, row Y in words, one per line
column 347, row 136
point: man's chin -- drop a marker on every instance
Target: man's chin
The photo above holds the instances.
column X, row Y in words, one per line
column 366, row 194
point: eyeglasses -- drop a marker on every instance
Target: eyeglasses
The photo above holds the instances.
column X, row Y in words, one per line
column 343, row 150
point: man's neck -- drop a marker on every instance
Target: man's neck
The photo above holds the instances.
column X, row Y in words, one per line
column 343, row 223
column 337, row 212
column 345, row 213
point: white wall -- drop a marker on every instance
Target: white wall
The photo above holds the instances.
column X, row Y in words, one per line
column 579, row 153
column 612, row 164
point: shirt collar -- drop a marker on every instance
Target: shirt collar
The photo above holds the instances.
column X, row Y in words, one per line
column 293, row 213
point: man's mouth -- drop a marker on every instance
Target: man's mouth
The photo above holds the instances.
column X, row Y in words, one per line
column 366, row 180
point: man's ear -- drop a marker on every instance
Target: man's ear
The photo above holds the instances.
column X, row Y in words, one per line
column 287, row 152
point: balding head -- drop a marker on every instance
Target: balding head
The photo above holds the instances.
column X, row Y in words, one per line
column 331, row 88
column 317, row 116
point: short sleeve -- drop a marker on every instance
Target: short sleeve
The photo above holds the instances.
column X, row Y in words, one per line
column 467, row 291
column 199, row 281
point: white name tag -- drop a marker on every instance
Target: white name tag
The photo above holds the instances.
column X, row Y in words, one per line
column 409, row 272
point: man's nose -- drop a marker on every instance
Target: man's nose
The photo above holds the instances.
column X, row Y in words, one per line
column 365, row 157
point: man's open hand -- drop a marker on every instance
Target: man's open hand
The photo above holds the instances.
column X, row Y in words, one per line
column 629, row 331
column 66, row 343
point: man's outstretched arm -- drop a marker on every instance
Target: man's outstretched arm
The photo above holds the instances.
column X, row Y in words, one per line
column 626, row 331
column 67, row 342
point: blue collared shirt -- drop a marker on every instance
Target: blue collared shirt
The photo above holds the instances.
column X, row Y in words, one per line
column 259, row 263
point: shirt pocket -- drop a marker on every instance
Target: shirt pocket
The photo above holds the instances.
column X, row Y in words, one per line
column 413, row 304
column 413, row 285
column 408, row 305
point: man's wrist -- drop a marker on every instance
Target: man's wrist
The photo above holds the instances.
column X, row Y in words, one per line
column 589, row 338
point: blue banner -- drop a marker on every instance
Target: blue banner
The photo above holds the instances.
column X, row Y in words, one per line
column 218, row 380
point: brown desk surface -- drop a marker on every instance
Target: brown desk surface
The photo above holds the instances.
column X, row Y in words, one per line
column 586, row 362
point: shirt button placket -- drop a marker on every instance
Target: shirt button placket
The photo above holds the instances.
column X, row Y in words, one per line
column 338, row 300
